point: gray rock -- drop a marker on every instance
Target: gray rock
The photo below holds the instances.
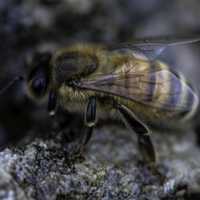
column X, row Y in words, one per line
column 44, row 169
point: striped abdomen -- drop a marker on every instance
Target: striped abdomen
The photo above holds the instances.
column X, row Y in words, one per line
column 169, row 91
column 150, row 89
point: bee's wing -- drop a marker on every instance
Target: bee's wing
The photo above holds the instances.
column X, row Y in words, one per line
column 153, row 47
column 160, row 89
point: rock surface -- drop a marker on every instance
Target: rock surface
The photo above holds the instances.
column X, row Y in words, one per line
column 45, row 167
column 110, row 169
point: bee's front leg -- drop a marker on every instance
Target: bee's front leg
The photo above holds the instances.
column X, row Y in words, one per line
column 144, row 140
column 52, row 102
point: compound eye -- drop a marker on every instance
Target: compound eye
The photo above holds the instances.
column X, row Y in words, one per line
column 39, row 86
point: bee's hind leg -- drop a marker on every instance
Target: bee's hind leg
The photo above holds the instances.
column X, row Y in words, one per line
column 144, row 140
column 88, row 134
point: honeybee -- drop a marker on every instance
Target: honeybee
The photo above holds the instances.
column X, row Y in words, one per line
column 127, row 79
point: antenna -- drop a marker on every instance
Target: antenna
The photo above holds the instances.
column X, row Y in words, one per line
column 11, row 83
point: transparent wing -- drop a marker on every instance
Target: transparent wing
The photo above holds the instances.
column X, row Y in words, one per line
column 160, row 89
column 153, row 47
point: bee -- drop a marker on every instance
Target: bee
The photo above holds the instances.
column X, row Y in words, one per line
column 128, row 80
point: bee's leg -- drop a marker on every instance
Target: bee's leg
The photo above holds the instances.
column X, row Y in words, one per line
column 52, row 101
column 90, row 113
column 89, row 122
column 90, row 118
column 88, row 134
column 144, row 140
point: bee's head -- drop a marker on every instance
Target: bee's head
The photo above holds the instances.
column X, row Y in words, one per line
column 40, row 75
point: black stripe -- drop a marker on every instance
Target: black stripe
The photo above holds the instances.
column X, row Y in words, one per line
column 152, row 83
column 127, row 82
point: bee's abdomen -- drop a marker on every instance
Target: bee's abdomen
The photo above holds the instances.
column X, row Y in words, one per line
column 170, row 92
column 182, row 97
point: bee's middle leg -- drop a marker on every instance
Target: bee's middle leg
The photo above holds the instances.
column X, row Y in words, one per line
column 89, row 120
